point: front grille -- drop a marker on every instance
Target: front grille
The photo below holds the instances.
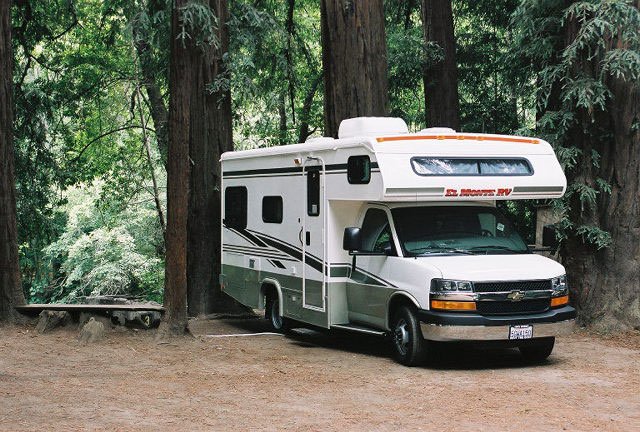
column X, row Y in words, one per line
column 531, row 285
column 509, row 307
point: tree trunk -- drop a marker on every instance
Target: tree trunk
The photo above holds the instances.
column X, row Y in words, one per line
column 605, row 284
column 354, row 61
column 178, row 173
column 441, row 79
column 210, row 136
column 10, row 283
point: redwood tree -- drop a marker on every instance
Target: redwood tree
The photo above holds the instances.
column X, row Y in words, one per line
column 441, row 77
column 210, row 136
column 10, row 283
column 199, row 131
column 354, row 61
column 585, row 56
column 183, row 51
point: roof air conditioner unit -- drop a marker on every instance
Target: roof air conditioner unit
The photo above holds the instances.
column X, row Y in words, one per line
column 372, row 126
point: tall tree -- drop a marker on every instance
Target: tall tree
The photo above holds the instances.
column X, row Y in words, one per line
column 354, row 61
column 210, row 135
column 441, row 78
column 10, row 283
column 183, row 54
column 589, row 91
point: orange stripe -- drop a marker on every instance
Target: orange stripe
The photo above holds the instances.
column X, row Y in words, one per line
column 459, row 137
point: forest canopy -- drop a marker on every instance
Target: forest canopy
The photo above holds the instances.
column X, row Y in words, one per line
column 91, row 92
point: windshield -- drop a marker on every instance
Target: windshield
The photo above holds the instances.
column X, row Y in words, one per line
column 455, row 230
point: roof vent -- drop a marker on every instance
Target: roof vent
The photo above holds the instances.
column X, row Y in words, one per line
column 438, row 130
column 371, row 126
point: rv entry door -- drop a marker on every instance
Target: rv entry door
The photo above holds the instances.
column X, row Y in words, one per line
column 312, row 233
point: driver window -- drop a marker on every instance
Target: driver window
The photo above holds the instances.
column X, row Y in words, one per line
column 376, row 233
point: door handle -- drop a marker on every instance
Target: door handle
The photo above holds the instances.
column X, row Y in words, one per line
column 300, row 235
column 308, row 238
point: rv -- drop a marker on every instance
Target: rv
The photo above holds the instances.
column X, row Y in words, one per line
column 387, row 232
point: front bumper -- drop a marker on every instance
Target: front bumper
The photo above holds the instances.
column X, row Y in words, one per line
column 451, row 326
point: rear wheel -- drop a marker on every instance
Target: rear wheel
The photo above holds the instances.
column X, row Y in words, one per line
column 272, row 313
column 408, row 344
column 538, row 351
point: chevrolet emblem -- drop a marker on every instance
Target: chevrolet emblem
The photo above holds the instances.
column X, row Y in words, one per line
column 515, row 296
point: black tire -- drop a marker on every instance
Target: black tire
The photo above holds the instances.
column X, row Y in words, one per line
column 278, row 323
column 538, row 351
column 409, row 346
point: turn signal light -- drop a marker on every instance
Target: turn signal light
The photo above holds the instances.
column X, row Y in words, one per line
column 453, row 305
column 559, row 301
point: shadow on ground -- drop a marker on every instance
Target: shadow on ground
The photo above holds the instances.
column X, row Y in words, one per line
column 449, row 356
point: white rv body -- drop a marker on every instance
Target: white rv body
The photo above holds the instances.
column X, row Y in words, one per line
column 285, row 210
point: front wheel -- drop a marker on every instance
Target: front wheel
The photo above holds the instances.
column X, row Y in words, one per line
column 539, row 351
column 408, row 344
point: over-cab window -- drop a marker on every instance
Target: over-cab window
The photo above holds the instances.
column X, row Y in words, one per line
column 272, row 209
column 235, row 207
column 359, row 169
column 430, row 166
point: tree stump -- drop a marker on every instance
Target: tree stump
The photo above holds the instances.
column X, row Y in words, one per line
column 92, row 331
column 51, row 319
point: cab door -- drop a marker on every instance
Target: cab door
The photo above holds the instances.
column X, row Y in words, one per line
column 369, row 289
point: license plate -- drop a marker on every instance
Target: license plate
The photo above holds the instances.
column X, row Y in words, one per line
column 521, row 332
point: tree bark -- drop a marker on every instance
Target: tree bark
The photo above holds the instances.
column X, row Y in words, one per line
column 178, row 174
column 605, row 284
column 441, row 79
column 210, row 136
column 11, row 293
column 354, row 61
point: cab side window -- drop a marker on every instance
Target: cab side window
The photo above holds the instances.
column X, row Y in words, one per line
column 376, row 232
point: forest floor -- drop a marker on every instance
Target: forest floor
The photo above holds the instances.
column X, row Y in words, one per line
column 310, row 381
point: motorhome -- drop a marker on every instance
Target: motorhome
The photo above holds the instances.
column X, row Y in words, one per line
column 387, row 232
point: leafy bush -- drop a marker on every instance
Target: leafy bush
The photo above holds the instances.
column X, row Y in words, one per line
column 104, row 254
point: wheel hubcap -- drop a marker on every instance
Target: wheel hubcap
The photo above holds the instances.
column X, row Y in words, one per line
column 401, row 336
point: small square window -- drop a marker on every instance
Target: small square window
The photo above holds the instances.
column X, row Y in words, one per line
column 235, row 207
column 359, row 169
column 272, row 209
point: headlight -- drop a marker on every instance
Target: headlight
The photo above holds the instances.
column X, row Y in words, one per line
column 438, row 285
column 560, row 283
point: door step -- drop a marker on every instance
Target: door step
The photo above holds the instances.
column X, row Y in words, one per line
column 359, row 329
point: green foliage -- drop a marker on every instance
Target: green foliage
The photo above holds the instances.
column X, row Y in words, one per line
column 198, row 23
column 104, row 254
column 495, row 95
column 75, row 76
column 573, row 89
column 407, row 56
column 275, row 71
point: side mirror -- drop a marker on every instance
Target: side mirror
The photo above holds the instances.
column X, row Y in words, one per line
column 352, row 240
column 549, row 237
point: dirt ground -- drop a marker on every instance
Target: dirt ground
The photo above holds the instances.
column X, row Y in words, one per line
column 310, row 381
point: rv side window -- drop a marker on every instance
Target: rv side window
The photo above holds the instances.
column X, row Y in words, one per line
column 359, row 169
column 429, row 166
column 272, row 209
column 313, row 192
column 235, row 207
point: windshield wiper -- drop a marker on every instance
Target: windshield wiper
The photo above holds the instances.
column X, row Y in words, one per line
column 439, row 250
column 497, row 247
